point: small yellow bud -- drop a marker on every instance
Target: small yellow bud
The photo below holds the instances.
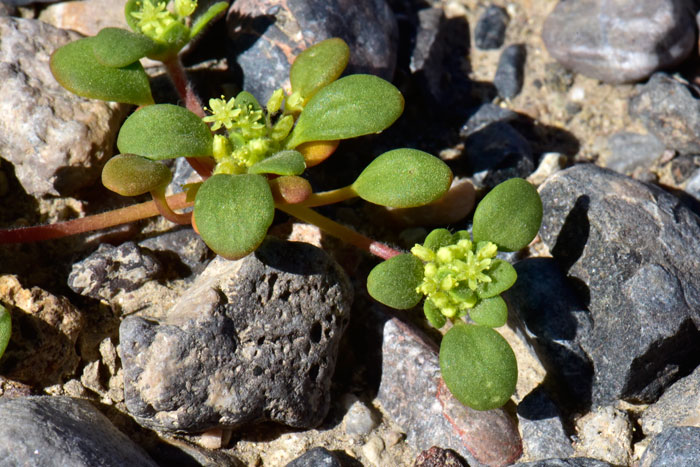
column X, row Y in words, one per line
column 274, row 103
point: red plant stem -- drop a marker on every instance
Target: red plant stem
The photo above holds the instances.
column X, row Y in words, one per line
column 339, row 231
column 166, row 211
column 85, row 224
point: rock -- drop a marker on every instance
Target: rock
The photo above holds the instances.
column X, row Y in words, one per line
column 541, row 427
column 509, row 74
column 490, row 30
column 483, row 116
column 570, row 462
column 671, row 111
column 47, row 430
column 269, row 34
column 692, row 185
column 620, row 41
column 181, row 251
column 626, row 246
column 416, row 398
column 429, row 52
column 679, row 405
column 316, row 457
column 605, row 434
column 111, row 269
column 56, row 141
column 251, row 340
column 438, row 457
column 359, row 419
column 631, row 152
column 7, row 10
column 45, row 329
column 677, row 446
column 87, row 17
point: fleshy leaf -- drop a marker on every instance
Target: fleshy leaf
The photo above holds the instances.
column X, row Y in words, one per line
column 509, row 215
column 233, row 213
column 316, row 152
column 5, row 328
column 433, row 314
column 318, row 66
column 290, row 189
column 244, row 99
column 287, row 162
column 502, row 275
column 77, row 69
column 352, row 106
column 201, row 21
column 132, row 175
column 115, row 47
column 394, row 281
column 478, row 366
column 491, row 312
column 437, row 239
column 165, row 131
column 403, row 178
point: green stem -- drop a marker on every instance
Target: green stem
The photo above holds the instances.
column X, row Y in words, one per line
column 339, row 231
column 329, row 197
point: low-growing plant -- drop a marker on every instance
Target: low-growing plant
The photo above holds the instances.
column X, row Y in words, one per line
column 5, row 329
column 251, row 157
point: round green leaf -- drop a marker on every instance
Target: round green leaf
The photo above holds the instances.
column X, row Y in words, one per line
column 245, row 100
column 438, row 238
column 115, row 47
column 233, row 213
column 5, row 328
column 403, row 178
column 132, row 175
column 491, row 312
column 352, row 106
column 394, row 281
column 77, row 69
column 502, row 275
column 165, row 131
column 318, row 66
column 289, row 162
column 509, row 215
column 433, row 314
column 478, row 366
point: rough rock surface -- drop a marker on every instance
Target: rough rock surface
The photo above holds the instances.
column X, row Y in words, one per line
column 633, row 152
column 316, row 457
column 567, row 462
column 605, row 434
column 626, row 245
column 541, row 427
column 490, row 30
column 252, row 340
column 87, row 17
column 45, row 430
column 679, row 405
column 438, row 457
column 619, row 41
column 678, row 446
column 56, row 141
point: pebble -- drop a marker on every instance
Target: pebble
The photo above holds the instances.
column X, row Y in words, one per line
column 490, row 30
column 605, row 434
column 55, row 430
column 316, row 457
column 87, row 17
column 679, row 405
column 625, row 245
column 251, row 340
column 509, row 73
column 677, row 446
column 692, row 186
column 484, row 115
column 359, row 419
column 541, row 427
column 438, row 457
column 632, row 152
column 567, row 462
column 620, row 41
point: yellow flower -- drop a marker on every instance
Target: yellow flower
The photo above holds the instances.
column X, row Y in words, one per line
column 222, row 112
column 153, row 18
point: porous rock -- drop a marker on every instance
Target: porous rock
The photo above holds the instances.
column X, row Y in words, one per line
column 675, row 446
column 605, row 434
column 620, row 41
column 56, row 140
column 626, row 247
column 47, row 430
column 251, row 340
column 438, row 457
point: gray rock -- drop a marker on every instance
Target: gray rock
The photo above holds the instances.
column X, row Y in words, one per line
column 509, row 73
column 570, row 462
column 484, row 115
column 633, row 151
column 490, row 30
column 671, row 111
column 252, row 340
column 620, row 41
column 627, row 246
column 273, row 32
column 111, row 269
column 679, row 405
column 57, row 142
column 58, row 431
column 316, row 457
column 678, row 446
column 359, row 419
column 541, row 427
column 692, row 185
column 438, row 457
column 429, row 51
column 414, row 395
column 182, row 251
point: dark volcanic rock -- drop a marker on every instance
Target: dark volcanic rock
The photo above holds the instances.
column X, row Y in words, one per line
column 679, row 405
column 490, row 30
column 627, row 247
column 252, row 340
column 316, row 457
column 678, row 446
column 509, row 74
column 541, row 427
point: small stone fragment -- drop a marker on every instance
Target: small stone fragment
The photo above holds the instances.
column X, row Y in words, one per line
column 630, row 152
column 438, row 457
column 87, row 17
column 490, row 30
column 605, row 434
column 316, row 457
column 484, row 115
column 359, row 419
column 509, row 74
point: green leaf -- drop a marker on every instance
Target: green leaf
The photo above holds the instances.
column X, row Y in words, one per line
column 352, row 106
column 201, row 21
column 133, row 6
column 233, row 213
column 394, row 281
column 5, row 328
column 478, row 366
column 244, row 100
column 132, row 175
column 509, row 215
column 115, row 47
column 287, row 162
column 433, row 314
column 318, row 66
column 403, row 178
column 77, row 69
column 502, row 275
column 165, row 131
column 437, row 239
column 491, row 312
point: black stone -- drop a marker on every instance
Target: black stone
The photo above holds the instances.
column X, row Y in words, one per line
column 316, row 457
column 509, row 74
column 490, row 30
